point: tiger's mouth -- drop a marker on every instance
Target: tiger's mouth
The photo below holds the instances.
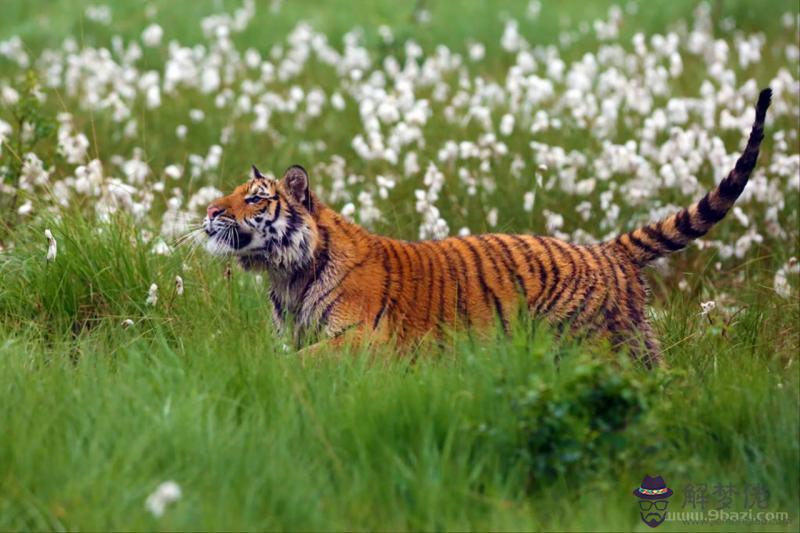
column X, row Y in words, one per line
column 226, row 237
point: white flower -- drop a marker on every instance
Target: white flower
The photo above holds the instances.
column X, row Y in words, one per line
column 491, row 217
column 9, row 96
column 533, row 10
column 33, row 172
column 476, row 51
column 203, row 197
column 433, row 225
column 152, row 295
column 52, row 245
column 349, row 210
column 151, row 36
column 528, row 200
column 337, row 101
column 161, row 248
column 179, row 285
column 553, row 221
column 165, row 494
column 126, row 323
column 707, row 307
column 781, row 282
column 507, row 125
column 5, row 131
column 196, row 115
column 73, row 147
column 136, row 169
column 25, row 208
column 174, row 171
column 99, row 13
column 180, row 131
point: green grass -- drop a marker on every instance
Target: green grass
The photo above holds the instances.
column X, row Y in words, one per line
column 521, row 433
column 496, row 436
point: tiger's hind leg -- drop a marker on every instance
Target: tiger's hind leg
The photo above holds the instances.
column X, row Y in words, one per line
column 650, row 353
column 636, row 336
column 631, row 325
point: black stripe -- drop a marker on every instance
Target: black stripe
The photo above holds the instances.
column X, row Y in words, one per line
column 487, row 291
column 612, row 324
column 579, row 277
column 321, row 261
column 708, row 213
column 400, row 281
column 747, row 161
column 294, row 220
column 430, row 282
column 440, row 254
column 563, row 286
column 319, row 271
column 730, row 189
column 510, row 264
column 438, row 268
column 326, row 313
column 346, row 230
column 276, row 303
column 490, row 252
column 269, row 222
column 683, row 222
column 529, row 259
column 572, row 317
column 611, row 266
column 652, row 252
column 292, row 225
column 635, row 312
column 423, row 278
column 338, row 283
column 463, row 288
column 585, row 312
column 556, row 271
column 597, row 312
column 386, row 285
column 346, row 329
column 657, row 234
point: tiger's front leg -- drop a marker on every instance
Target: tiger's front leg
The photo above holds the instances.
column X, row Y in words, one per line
column 357, row 336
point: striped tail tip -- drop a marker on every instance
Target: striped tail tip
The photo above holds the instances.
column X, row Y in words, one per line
column 764, row 99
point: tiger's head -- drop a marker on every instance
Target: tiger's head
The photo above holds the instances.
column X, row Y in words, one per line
column 265, row 222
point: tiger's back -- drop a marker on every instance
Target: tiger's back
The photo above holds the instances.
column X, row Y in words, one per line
column 406, row 291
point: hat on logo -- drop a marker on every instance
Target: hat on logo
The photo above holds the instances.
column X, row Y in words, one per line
column 653, row 488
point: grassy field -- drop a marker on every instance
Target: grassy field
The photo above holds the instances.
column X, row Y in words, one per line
column 104, row 396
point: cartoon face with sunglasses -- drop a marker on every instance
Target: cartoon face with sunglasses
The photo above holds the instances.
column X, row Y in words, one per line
column 653, row 500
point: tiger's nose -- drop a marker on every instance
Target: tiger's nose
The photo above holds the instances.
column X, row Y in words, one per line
column 214, row 210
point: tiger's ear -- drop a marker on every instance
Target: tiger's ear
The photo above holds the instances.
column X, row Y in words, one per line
column 257, row 174
column 296, row 179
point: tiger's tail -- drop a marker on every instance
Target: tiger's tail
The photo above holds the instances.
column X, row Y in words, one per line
column 673, row 233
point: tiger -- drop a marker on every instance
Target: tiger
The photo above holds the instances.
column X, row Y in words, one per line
column 335, row 280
